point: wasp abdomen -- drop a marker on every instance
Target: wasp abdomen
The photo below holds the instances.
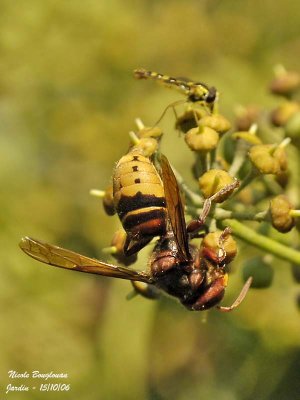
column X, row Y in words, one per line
column 139, row 196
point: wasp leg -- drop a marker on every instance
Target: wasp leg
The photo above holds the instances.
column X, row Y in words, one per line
column 199, row 235
column 240, row 297
column 227, row 231
column 210, row 296
column 197, row 224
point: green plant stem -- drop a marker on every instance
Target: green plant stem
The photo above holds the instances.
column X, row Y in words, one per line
column 239, row 157
column 221, row 214
column 272, row 186
column 193, row 197
column 201, row 161
column 295, row 213
column 213, row 156
column 262, row 242
column 254, row 173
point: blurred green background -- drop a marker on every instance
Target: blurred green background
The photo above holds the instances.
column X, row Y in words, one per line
column 67, row 102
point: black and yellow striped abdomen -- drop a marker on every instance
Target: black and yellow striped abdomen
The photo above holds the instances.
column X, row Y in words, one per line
column 195, row 91
column 139, row 197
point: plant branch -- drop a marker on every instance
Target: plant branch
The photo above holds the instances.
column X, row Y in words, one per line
column 221, row 214
column 262, row 242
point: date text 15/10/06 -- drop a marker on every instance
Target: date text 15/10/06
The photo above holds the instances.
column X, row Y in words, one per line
column 44, row 387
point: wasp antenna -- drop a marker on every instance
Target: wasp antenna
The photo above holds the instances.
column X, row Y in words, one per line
column 240, row 297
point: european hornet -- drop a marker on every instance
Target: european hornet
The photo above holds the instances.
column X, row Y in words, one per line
column 196, row 277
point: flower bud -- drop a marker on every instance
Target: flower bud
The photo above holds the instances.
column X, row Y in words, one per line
column 261, row 272
column 146, row 290
column 280, row 208
column 283, row 179
column 217, row 246
column 217, row 122
column 285, row 84
column 202, row 139
column 281, row 114
column 268, row 159
column 292, row 127
column 108, row 201
column 281, row 157
column 150, row 132
column 246, row 117
column 147, row 146
column 188, row 120
column 213, row 181
column 118, row 242
column 246, row 196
